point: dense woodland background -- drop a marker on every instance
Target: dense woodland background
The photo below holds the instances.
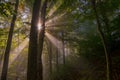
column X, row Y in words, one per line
column 60, row 39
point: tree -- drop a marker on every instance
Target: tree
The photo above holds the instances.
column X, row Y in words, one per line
column 32, row 71
column 9, row 41
column 49, row 49
column 41, row 35
column 63, row 46
column 105, row 45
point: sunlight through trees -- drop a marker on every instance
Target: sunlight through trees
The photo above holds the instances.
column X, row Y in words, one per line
column 59, row 39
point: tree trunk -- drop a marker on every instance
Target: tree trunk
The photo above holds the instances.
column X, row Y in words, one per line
column 1, row 58
column 63, row 48
column 107, row 51
column 49, row 47
column 57, row 61
column 40, row 42
column 33, row 43
column 8, row 47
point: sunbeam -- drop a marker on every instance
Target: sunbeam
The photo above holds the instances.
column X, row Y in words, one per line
column 57, row 43
column 54, row 19
column 58, row 24
column 15, row 53
column 54, row 41
column 54, row 8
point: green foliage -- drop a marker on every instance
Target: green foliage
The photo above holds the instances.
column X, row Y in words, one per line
column 109, row 6
column 79, row 68
column 68, row 6
column 115, row 32
column 67, row 72
column 29, row 3
column 6, row 9
column 3, row 37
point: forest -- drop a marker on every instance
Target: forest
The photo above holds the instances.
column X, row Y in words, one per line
column 59, row 39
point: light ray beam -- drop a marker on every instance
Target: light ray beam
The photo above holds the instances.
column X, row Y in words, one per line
column 54, row 8
column 15, row 53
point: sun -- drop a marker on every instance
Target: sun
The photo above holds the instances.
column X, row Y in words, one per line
column 39, row 26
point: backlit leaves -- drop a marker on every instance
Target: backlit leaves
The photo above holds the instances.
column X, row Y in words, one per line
column 6, row 9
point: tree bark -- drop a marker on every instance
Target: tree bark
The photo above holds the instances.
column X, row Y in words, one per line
column 33, row 43
column 63, row 46
column 8, row 47
column 40, row 42
column 49, row 48
column 57, row 61
column 106, row 48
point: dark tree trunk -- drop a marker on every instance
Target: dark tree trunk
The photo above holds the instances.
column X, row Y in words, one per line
column 41, row 40
column 33, row 43
column 57, row 61
column 106, row 48
column 8, row 47
column 63, row 48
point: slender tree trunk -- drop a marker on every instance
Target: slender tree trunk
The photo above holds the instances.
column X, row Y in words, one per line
column 1, row 58
column 8, row 47
column 33, row 43
column 63, row 46
column 107, row 51
column 57, row 61
column 109, row 37
column 40, row 42
column 49, row 47
column 18, row 38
